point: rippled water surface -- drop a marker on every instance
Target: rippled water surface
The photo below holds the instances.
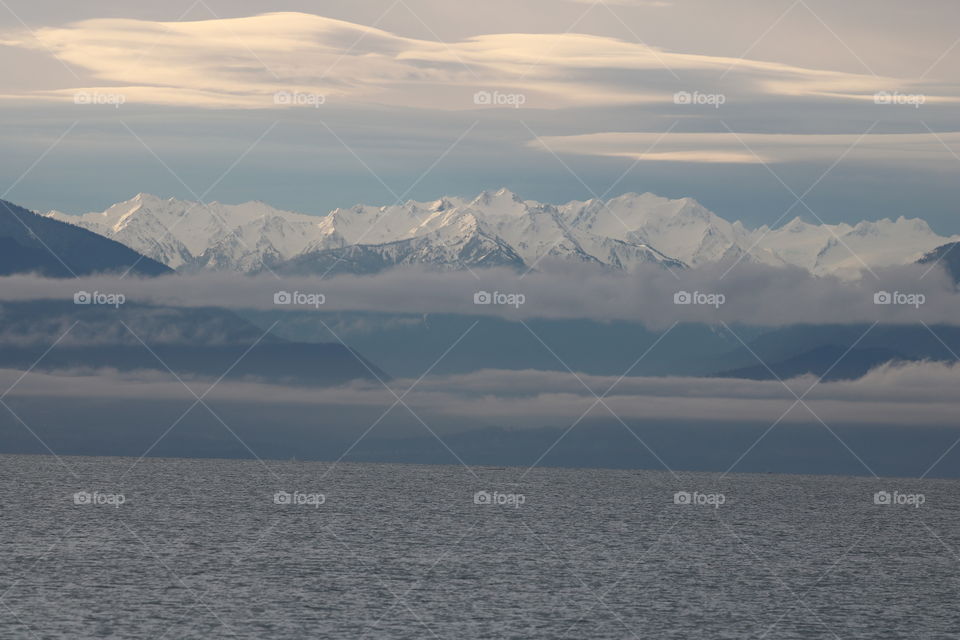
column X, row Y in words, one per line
column 202, row 549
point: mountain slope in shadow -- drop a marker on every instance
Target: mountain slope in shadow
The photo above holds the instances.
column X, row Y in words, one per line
column 198, row 342
column 947, row 256
column 31, row 243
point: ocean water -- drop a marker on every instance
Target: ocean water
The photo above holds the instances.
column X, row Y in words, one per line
column 172, row 548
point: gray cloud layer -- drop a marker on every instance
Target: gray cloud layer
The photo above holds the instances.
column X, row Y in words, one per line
column 914, row 394
column 752, row 294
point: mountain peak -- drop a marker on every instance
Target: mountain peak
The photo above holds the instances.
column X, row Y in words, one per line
column 454, row 232
column 797, row 225
column 501, row 203
column 442, row 204
column 148, row 198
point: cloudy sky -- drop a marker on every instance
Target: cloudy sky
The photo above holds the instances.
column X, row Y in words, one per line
column 743, row 105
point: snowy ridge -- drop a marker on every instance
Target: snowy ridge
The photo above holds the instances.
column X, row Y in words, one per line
column 495, row 228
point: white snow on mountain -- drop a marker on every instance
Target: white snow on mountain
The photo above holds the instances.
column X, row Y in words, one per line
column 184, row 234
column 494, row 228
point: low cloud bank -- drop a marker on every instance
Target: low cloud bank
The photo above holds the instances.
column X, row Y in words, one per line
column 905, row 395
column 656, row 297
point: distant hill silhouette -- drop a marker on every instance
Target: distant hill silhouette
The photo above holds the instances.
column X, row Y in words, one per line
column 31, row 243
column 947, row 255
column 192, row 342
column 832, row 362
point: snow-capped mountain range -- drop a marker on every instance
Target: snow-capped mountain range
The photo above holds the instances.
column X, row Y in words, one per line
column 495, row 228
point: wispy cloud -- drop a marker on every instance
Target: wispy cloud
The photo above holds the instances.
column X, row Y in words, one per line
column 757, row 148
column 243, row 62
